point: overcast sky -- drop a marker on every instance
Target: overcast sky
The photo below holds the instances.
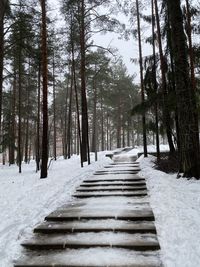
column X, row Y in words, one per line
column 127, row 49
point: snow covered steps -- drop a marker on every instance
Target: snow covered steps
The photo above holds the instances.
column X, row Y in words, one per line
column 138, row 242
column 111, row 188
column 128, row 177
column 128, row 185
column 114, row 183
column 111, row 194
column 94, row 257
column 103, row 213
column 109, row 223
column 95, row 226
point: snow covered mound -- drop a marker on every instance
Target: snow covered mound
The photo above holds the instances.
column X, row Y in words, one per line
column 176, row 205
column 25, row 199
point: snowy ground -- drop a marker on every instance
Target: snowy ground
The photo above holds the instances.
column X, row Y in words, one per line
column 176, row 205
column 25, row 199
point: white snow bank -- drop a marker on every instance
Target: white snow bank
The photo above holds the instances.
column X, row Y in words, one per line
column 176, row 204
column 25, row 199
column 150, row 148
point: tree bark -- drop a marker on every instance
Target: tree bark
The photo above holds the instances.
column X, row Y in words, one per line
column 13, row 125
column 85, row 137
column 155, row 83
column 191, row 51
column 54, row 112
column 69, row 137
column 141, row 79
column 166, row 113
column 102, row 123
column 19, row 157
column 45, row 94
column 38, row 121
column 3, row 4
column 186, row 100
column 77, row 103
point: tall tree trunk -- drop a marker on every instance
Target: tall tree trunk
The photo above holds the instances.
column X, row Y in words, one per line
column 155, row 83
column 94, row 124
column 54, row 111
column 77, row 103
column 186, row 101
column 107, row 132
column 69, row 137
column 102, row 124
column 45, row 94
column 3, row 4
column 85, row 137
column 65, row 122
column 13, row 125
column 191, row 51
column 128, row 133
column 119, row 125
column 19, row 157
column 166, row 113
column 173, row 77
column 27, row 118
column 38, row 121
column 141, row 79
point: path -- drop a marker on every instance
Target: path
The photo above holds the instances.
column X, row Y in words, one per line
column 108, row 224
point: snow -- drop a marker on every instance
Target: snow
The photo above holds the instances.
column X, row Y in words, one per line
column 150, row 148
column 175, row 203
column 103, row 257
column 25, row 199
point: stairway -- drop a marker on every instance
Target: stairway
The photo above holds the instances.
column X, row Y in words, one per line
column 109, row 223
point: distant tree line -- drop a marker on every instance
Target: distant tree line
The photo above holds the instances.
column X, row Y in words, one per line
column 59, row 90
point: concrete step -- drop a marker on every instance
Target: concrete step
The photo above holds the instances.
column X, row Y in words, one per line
column 92, row 257
column 111, row 188
column 115, row 171
column 110, row 225
column 122, row 168
column 138, row 242
column 111, row 194
column 115, row 178
column 135, row 183
column 135, row 163
column 101, row 213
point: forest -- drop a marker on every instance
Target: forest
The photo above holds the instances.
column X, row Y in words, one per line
column 62, row 94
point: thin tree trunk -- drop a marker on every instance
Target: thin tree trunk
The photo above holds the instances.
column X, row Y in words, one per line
column 45, row 93
column 38, row 121
column 77, row 106
column 102, row 124
column 119, row 125
column 13, row 126
column 191, row 51
column 69, row 137
column 141, row 79
column 128, row 133
column 20, row 105
column 166, row 113
column 107, row 132
column 155, row 84
column 2, row 14
column 54, row 111
column 93, row 146
column 27, row 119
column 85, row 137
column 65, row 121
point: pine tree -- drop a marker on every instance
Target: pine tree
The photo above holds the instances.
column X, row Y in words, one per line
column 186, row 100
column 45, row 93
